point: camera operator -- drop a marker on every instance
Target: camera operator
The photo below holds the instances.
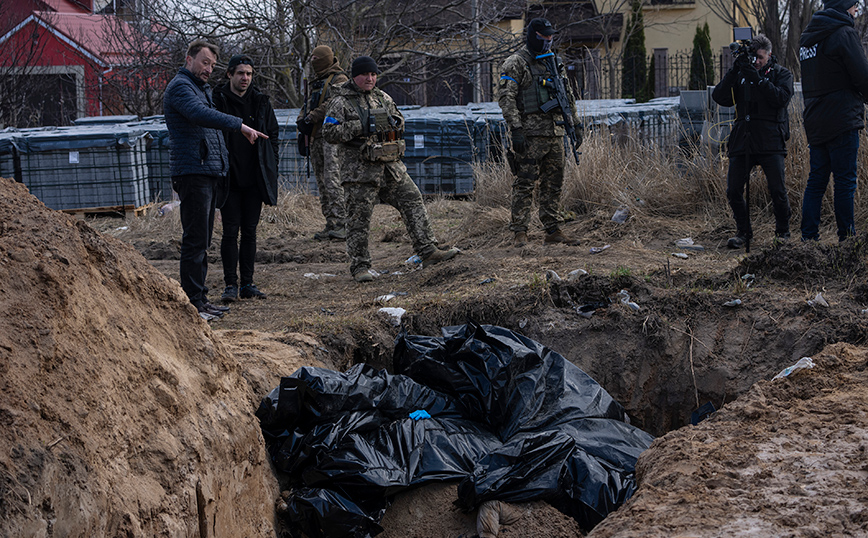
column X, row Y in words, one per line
column 835, row 85
column 760, row 89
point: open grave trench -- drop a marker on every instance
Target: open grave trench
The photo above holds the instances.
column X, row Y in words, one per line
column 684, row 347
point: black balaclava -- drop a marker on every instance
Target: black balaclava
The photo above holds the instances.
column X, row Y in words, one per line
column 535, row 44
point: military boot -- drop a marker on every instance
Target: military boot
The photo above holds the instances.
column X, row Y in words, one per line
column 520, row 239
column 558, row 236
column 439, row 256
column 338, row 234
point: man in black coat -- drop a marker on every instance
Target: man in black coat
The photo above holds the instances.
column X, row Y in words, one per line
column 198, row 162
column 252, row 176
column 835, row 87
column 760, row 90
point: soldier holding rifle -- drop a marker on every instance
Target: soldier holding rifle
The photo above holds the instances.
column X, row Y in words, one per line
column 539, row 110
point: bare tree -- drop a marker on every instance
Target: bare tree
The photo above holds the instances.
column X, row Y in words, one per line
column 25, row 87
column 418, row 44
column 782, row 21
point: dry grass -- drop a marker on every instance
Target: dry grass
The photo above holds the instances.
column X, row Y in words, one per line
column 615, row 171
column 620, row 171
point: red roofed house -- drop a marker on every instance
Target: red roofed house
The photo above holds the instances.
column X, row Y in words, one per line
column 59, row 60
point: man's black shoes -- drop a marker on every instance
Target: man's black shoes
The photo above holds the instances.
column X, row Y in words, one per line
column 210, row 312
column 230, row 294
column 250, row 291
column 736, row 242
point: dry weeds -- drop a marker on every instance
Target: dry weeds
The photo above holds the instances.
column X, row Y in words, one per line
column 615, row 171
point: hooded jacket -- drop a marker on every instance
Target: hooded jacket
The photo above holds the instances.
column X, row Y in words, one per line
column 267, row 151
column 834, row 76
column 762, row 124
column 195, row 128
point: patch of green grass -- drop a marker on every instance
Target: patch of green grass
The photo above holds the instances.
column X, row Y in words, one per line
column 537, row 282
column 620, row 272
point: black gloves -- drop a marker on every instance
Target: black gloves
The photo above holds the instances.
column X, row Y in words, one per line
column 305, row 127
column 750, row 74
column 519, row 142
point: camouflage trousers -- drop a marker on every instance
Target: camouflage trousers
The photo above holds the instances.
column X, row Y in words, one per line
column 543, row 161
column 326, row 168
column 398, row 190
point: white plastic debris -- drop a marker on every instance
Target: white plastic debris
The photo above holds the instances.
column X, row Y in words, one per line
column 802, row 364
column 168, row 208
column 385, row 298
column 681, row 255
column 597, row 250
column 687, row 243
column 316, row 276
column 395, row 313
column 625, row 299
column 415, row 259
column 621, row 215
column 818, row 300
column 733, row 303
column 574, row 275
column 552, row 276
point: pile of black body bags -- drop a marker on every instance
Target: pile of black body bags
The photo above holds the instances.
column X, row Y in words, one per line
column 509, row 418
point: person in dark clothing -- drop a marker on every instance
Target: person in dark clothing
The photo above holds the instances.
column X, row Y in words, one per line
column 198, row 161
column 760, row 91
column 252, row 176
column 835, row 88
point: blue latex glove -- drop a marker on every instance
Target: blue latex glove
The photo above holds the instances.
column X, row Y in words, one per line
column 420, row 414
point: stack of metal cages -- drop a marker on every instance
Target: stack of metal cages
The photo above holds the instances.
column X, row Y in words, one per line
column 442, row 145
column 123, row 161
column 295, row 171
column 84, row 168
column 8, row 153
column 159, row 171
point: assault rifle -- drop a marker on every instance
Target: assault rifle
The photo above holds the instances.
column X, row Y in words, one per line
column 303, row 139
column 560, row 100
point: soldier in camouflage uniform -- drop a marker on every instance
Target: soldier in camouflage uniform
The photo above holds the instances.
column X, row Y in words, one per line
column 324, row 155
column 537, row 150
column 368, row 129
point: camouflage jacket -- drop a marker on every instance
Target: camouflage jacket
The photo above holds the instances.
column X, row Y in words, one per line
column 343, row 126
column 315, row 112
column 516, row 82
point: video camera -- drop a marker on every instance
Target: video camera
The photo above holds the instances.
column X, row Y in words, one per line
column 741, row 48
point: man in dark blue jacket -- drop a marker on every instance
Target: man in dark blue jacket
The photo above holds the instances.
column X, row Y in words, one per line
column 198, row 160
column 835, row 87
column 252, row 176
column 760, row 91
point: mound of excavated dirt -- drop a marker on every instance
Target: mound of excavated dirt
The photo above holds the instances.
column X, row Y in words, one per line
column 121, row 415
column 786, row 459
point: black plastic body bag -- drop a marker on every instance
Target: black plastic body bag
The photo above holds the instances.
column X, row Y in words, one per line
column 510, row 418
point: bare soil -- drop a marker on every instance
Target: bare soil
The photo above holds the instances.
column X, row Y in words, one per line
column 126, row 415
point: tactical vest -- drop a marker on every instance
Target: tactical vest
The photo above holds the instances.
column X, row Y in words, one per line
column 381, row 140
column 319, row 92
column 535, row 94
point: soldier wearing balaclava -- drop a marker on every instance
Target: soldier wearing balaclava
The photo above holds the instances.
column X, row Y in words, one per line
column 536, row 153
column 327, row 75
